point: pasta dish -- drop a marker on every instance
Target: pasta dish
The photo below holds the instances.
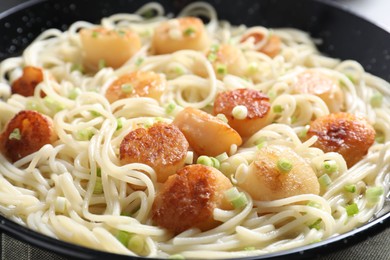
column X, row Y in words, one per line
column 189, row 137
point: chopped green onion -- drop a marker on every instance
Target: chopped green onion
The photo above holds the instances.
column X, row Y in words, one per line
column 212, row 56
column 351, row 78
column 330, row 166
column 271, row 94
column 127, row 88
column 53, row 105
column 250, row 248
column 350, row 188
column 222, row 117
column 376, row 100
column 119, row 123
column 324, row 180
column 170, row 108
column 148, row 123
column 74, row 93
column 284, row 165
column 101, row 64
column 136, row 244
column 208, row 161
column 95, row 113
column 253, row 67
column 15, row 134
column 189, row 31
column 179, row 70
column 126, row 214
column 85, row 134
column 262, row 139
column 236, row 198
column 302, row 134
column 31, row 105
column 221, row 69
column 373, row 194
column 277, row 109
column 240, row 112
column 99, row 172
column 316, row 224
column 95, row 34
column 121, row 33
column 222, row 157
column 240, row 201
column 380, row 138
column 214, row 48
column 77, row 67
column 139, row 61
column 216, row 163
column 232, row 193
column 205, row 160
column 123, row 237
column 98, row 189
column 352, row 209
column 176, row 257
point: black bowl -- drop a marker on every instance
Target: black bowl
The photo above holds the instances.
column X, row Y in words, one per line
column 344, row 35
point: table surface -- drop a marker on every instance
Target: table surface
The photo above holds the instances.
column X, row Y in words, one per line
column 375, row 247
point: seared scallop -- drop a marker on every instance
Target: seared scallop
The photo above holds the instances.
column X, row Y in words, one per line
column 205, row 133
column 344, row 133
column 187, row 199
column 25, row 85
column 137, row 84
column 272, row 45
column 317, row 83
column 108, row 48
column 26, row 133
column 278, row 172
column 162, row 146
column 180, row 34
column 245, row 109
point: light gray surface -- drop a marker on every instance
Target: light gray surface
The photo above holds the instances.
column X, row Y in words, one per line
column 376, row 247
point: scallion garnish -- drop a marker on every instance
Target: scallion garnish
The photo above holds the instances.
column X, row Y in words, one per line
column 376, row 100
column 330, row 166
column 350, row 188
column 15, row 135
column 352, row 209
column 277, row 109
column 324, row 180
column 236, row 198
column 284, row 165
column 127, row 88
column 240, row 112
column 373, row 194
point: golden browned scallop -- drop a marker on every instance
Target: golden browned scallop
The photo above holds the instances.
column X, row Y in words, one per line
column 108, row 48
column 278, row 172
column 344, row 133
column 137, row 84
column 246, row 109
column 180, row 34
column 187, row 199
column 272, row 47
column 225, row 59
column 162, row 146
column 25, row 134
column 25, row 85
column 205, row 133
column 317, row 83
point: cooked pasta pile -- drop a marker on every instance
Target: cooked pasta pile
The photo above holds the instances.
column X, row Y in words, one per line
column 77, row 188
